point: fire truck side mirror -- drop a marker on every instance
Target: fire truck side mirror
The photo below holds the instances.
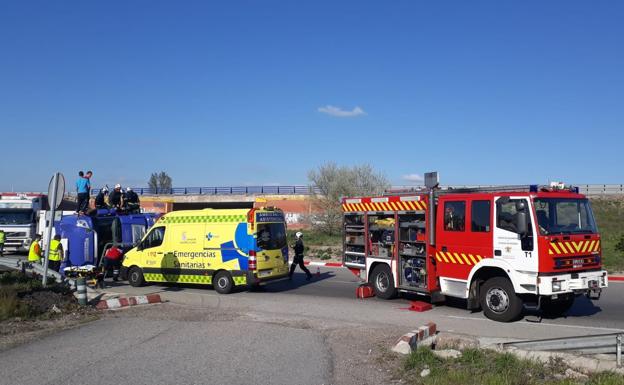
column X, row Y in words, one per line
column 521, row 218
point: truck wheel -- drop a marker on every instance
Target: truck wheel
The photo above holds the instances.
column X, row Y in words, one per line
column 499, row 300
column 383, row 282
column 556, row 308
column 135, row 277
column 223, row 282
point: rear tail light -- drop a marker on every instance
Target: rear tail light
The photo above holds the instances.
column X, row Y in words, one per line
column 252, row 265
column 251, row 216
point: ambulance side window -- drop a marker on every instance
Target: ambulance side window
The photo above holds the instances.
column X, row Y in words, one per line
column 154, row 238
column 455, row 216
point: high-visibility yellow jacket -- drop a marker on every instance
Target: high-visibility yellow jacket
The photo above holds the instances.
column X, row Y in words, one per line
column 55, row 250
column 34, row 254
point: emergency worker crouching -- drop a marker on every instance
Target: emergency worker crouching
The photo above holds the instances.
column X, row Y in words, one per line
column 100, row 199
column 131, row 201
column 115, row 199
column 112, row 261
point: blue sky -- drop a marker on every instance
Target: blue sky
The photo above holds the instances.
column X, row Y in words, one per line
column 260, row 92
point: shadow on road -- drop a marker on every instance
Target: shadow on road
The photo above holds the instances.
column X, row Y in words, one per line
column 281, row 285
column 298, row 280
column 583, row 307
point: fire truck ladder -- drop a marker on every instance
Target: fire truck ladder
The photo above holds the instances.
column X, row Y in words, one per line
column 611, row 343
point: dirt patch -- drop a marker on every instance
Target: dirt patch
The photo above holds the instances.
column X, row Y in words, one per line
column 363, row 356
column 29, row 311
column 17, row 331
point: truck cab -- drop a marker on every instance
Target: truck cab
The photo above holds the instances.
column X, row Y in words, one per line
column 18, row 219
column 85, row 236
column 542, row 246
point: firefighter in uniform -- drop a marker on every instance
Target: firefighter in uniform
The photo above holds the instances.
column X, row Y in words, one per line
column 131, row 201
column 56, row 253
column 298, row 259
column 100, row 199
column 34, row 253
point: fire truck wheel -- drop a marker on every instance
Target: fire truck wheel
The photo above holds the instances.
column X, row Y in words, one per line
column 499, row 300
column 223, row 282
column 383, row 282
column 135, row 277
column 556, row 308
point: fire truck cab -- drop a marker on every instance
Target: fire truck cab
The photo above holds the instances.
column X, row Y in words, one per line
column 498, row 248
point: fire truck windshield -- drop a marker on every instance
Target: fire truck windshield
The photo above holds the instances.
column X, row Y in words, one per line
column 564, row 216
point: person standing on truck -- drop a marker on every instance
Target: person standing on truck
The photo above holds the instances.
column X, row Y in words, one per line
column 100, row 199
column 131, row 201
column 83, row 186
column 56, row 253
column 298, row 259
column 2, row 239
column 34, row 253
column 115, row 199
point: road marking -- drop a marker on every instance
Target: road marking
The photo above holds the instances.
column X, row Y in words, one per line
column 538, row 324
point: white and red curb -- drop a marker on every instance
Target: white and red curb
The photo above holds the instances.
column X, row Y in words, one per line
column 326, row 264
column 116, row 303
column 423, row 336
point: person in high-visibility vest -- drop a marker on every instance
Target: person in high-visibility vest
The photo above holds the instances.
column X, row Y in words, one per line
column 34, row 254
column 56, row 253
column 2, row 239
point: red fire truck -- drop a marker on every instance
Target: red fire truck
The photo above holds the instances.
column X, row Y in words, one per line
column 498, row 248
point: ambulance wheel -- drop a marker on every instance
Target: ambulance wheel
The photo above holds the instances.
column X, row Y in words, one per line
column 383, row 282
column 499, row 300
column 223, row 282
column 135, row 277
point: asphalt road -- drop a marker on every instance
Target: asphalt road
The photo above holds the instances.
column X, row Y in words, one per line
column 198, row 348
column 332, row 296
column 290, row 332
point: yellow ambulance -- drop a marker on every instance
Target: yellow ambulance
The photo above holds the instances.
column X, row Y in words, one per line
column 219, row 247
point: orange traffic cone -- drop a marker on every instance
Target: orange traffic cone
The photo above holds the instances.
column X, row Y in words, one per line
column 318, row 271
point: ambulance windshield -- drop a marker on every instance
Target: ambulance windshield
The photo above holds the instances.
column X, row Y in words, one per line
column 564, row 216
column 271, row 236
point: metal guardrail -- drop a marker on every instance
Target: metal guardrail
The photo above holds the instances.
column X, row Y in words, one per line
column 228, row 190
column 587, row 189
column 593, row 344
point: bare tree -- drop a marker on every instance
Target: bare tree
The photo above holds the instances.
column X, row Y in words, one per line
column 334, row 182
column 160, row 182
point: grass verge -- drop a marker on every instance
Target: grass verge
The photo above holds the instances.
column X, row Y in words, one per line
column 609, row 213
column 486, row 367
column 24, row 297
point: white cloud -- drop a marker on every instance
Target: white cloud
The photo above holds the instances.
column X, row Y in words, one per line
column 414, row 178
column 340, row 113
